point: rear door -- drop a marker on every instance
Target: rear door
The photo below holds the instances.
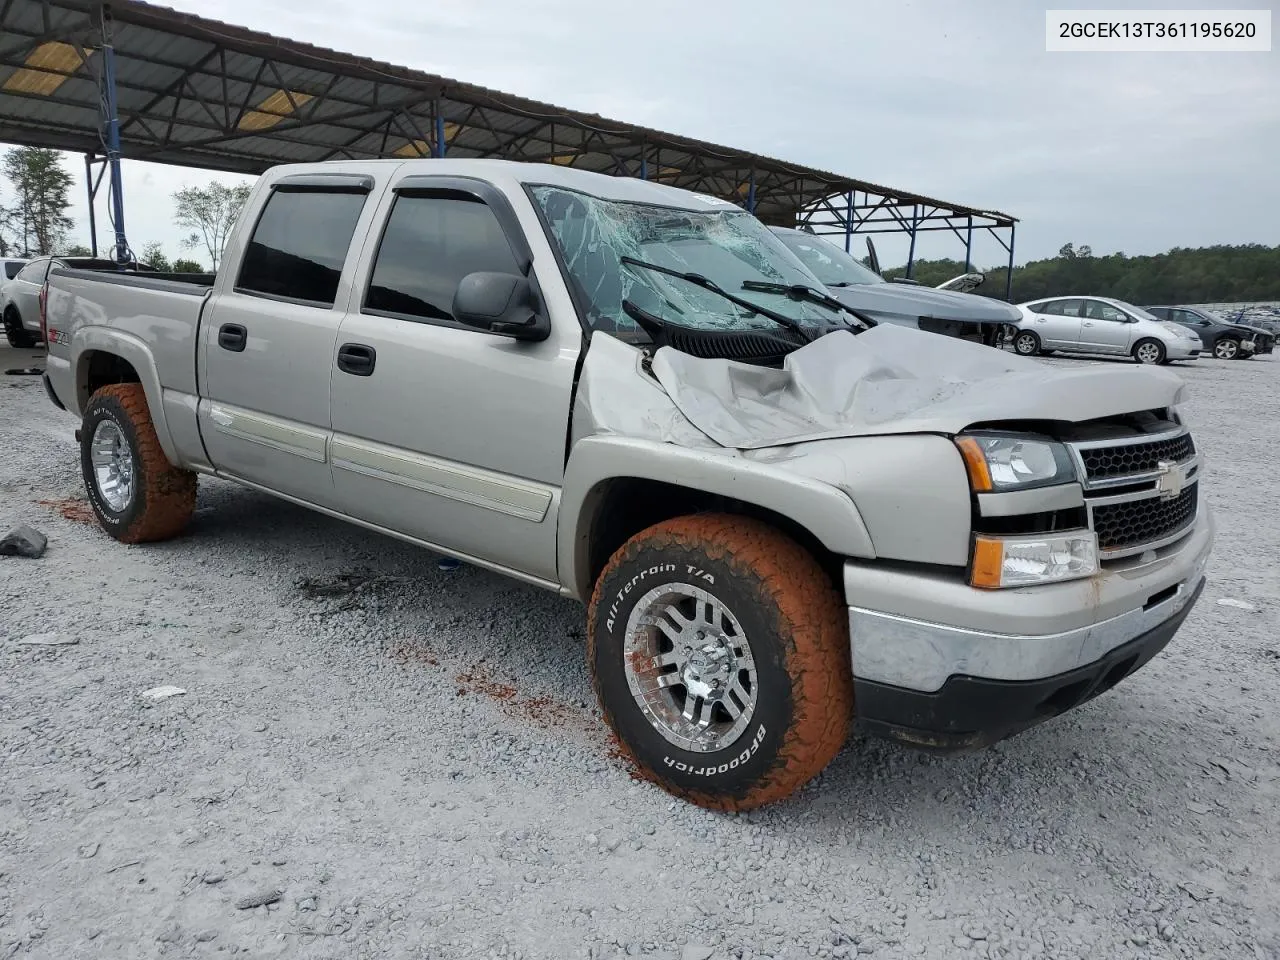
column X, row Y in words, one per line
column 452, row 435
column 267, row 339
column 1105, row 328
column 24, row 292
column 1057, row 323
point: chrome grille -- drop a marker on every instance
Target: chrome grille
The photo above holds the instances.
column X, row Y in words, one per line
column 1135, row 523
column 1137, row 501
column 1110, row 462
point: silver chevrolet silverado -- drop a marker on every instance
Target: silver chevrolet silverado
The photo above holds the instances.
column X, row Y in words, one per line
column 779, row 514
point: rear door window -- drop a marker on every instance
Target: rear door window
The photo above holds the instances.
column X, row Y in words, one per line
column 300, row 244
column 33, row 272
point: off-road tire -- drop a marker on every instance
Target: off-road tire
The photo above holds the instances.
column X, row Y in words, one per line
column 1027, row 343
column 797, row 626
column 1162, row 356
column 18, row 336
column 164, row 495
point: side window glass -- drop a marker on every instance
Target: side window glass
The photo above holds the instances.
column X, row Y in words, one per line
column 1105, row 311
column 1071, row 308
column 299, row 245
column 433, row 240
column 1052, row 309
column 34, row 272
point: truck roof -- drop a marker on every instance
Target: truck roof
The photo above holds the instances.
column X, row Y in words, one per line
column 605, row 186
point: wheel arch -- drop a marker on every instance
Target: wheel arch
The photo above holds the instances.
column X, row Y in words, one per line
column 615, row 487
column 102, row 356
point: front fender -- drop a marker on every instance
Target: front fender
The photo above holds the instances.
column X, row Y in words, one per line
column 820, row 508
column 89, row 340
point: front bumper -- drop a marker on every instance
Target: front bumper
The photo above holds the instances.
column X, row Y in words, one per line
column 939, row 663
column 1183, row 349
column 970, row 712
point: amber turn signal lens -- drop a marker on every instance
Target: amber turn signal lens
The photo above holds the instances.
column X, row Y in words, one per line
column 988, row 561
column 976, row 463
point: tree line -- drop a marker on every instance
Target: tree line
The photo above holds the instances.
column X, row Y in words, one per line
column 1219, row 274
column 34, row 219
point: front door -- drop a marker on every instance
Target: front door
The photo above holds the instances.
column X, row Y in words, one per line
column 268, row 342
column 448, row 433
column 1106, row 328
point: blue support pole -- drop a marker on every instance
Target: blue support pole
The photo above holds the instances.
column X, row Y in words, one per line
column 911, row 254
column 1008, row 280
column 439, row 131
column 968, row 247
column 113, row 152
column 848, row 223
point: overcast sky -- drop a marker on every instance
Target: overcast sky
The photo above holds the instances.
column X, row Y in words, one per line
column 1129, row 152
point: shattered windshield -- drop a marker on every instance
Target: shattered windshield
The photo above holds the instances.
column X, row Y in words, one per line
column 828, row 262
column 723, row 243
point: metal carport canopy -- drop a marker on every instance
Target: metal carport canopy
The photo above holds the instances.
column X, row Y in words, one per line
column 202, row 93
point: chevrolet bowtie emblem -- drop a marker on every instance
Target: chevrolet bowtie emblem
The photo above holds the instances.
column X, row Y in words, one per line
column 1170, row 479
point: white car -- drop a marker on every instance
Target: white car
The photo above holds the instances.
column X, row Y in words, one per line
column 1104, row 326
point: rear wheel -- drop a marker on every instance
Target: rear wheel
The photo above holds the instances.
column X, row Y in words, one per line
column 1149, row 351
column 1027, row 343
column 719, row 651
column 1228, row 348
column 17, row 335
column 136, row 493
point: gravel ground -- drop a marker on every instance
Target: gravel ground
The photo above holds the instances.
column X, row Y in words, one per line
column 393, row 761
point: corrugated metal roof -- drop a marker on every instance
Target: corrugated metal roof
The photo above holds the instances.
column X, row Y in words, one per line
column 200, row 92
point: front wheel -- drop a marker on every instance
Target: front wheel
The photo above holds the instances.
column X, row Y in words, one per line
column 1227, row 348
column 1026, row 343
column 719, row 651
column 136, row 493
column 1149, row 351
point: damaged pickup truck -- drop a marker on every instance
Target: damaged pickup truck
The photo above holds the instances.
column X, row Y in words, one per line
column 779, row 515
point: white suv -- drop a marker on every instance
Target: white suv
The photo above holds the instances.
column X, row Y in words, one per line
column 1104, row 326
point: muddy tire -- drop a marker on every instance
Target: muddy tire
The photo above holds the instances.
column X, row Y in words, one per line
column 17, row 335
column 136, row 493
column 719, row 651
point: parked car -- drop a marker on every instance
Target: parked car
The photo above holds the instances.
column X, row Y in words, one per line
column 9, row 267
column 936, row 310
column 778, row 516
column 1226, row 341
column 21, row 302
column 1101, row 325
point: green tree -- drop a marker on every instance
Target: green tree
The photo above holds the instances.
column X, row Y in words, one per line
column 77, row 250
column 209, row 213
column 42, row 188
column 187, row 266
column 153, row 255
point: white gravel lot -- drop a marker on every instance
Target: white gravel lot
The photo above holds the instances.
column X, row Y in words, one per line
column 416, row 768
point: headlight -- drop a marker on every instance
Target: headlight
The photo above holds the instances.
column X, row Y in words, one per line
column 1027, row 561
column 999, row 462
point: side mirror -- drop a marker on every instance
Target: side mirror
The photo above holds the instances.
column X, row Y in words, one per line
column 502, row 303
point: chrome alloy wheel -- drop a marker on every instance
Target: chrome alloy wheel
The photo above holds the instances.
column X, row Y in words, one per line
column 113, row 467
column 1226, row 349
column 1025, row 344
column 689, row 667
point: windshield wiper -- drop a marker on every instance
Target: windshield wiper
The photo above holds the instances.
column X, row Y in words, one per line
column 698, row 280
column 800, row 291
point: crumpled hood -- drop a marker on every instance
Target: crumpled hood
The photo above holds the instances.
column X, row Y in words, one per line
column 909, row 301
column 891, row 380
